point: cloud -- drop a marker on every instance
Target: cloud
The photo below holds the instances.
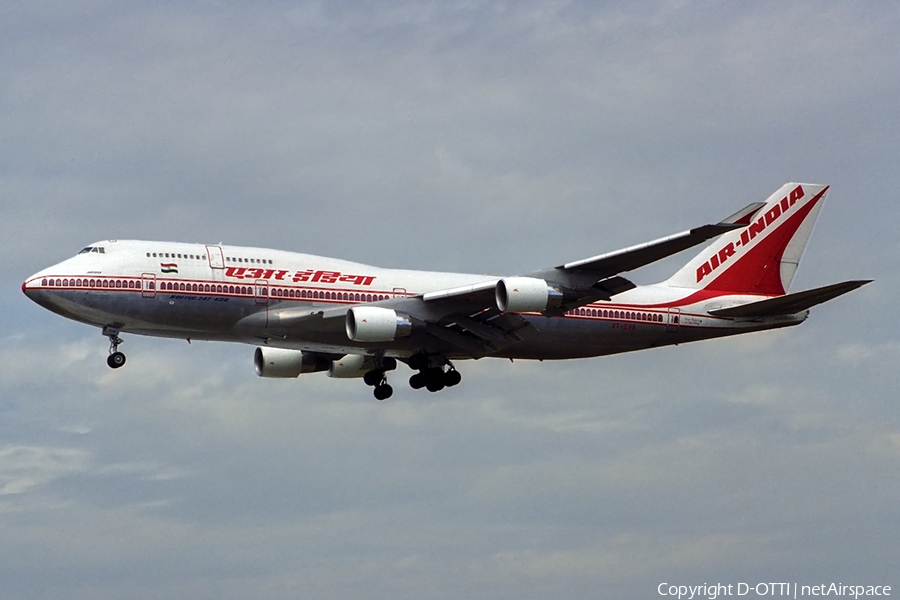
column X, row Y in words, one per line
column 23, row 468
column 449, row 136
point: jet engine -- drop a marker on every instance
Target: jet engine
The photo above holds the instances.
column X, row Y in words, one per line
column 376, row 324
column 526, row 294
column 280, row 362
column 352, row 365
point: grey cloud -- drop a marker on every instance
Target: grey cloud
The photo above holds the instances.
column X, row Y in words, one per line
column 449, row 136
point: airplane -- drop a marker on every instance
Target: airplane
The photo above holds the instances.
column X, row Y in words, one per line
column 310, row 314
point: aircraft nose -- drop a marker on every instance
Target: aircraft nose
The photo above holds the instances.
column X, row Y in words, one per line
column 28, row 286
column 35, row 287
column 31, row 287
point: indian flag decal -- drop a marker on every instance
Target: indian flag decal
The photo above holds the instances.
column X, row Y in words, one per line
column 168, row 267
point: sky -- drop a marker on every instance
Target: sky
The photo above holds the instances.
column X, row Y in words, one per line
column 483, row 137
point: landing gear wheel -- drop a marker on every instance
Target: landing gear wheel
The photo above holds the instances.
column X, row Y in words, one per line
column 373, row 378
column 417, row 381
column 434, row 380
column 383, row 392
column 116, row 360
column 452, row 378
column 417, row 362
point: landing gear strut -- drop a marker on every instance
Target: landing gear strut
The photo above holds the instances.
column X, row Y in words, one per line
column 116, row 359
column 432, row 374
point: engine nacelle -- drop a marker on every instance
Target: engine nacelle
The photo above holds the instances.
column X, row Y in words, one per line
column 526, row 294
column 352, row 365
column 376, row 324
column 280, row 362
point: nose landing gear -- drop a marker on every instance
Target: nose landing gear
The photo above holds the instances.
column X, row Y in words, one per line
column 116, row 359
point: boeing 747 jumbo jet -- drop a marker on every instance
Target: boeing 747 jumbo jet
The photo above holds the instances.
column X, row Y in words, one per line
column 309, row 313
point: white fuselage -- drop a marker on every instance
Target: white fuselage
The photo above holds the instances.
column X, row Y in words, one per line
column 226, row 292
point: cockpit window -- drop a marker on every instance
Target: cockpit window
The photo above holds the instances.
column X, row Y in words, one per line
column 97, row 249
column 85, row 250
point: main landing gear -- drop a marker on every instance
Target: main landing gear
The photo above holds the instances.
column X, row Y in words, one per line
column 116, row 359
column 377, row 378
column 432, row 374
column 435, row 372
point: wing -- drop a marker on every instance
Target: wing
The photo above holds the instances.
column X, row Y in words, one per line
column 467, row 319
column 592, row 272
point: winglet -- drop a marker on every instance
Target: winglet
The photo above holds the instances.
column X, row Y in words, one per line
column 743, row 216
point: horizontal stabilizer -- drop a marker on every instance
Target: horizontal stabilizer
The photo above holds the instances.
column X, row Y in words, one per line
column 791, row 303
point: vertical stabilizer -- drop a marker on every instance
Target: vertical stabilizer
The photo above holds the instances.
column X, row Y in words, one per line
column 762, row 257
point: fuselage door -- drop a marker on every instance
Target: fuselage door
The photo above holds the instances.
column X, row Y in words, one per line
column 399, row 292
column 216, row 259
column 674, row 320
column 148, row 285
column 261, row 292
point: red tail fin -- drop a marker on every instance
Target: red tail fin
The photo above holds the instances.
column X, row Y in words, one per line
column 762, row 257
